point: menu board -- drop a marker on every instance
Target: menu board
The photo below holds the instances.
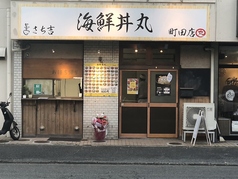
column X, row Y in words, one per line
column 101, row 79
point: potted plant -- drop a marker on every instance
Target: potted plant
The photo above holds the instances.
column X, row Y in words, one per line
column 25, row 91
column 29, row 94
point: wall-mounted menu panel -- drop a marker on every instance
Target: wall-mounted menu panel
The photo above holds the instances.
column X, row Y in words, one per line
column 101, row 79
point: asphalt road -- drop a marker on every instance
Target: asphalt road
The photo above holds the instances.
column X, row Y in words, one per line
column 179, row 155
column 117, row 171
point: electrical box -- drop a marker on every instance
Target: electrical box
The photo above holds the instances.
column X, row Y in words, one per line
column 224, row 125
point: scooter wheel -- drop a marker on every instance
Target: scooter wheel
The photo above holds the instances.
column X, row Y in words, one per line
column 15, row 133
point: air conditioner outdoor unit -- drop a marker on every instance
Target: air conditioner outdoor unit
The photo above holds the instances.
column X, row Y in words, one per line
column 191, row 111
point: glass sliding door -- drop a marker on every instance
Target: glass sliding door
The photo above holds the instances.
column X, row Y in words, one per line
column 150, row 112
column 133, row 109
column 163, row 103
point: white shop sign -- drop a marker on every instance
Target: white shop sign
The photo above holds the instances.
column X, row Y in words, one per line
column 112, row 22
column 234, row 126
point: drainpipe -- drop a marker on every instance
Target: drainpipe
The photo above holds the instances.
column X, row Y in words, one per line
column 212, row 74
column 9, row 71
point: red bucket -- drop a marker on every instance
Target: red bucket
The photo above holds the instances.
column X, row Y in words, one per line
column 99, row 136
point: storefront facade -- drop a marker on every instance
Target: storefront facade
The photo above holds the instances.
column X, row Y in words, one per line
column 101, row 50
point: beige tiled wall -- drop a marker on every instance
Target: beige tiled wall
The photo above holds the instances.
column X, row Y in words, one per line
column 109, row 51
column 17, row 87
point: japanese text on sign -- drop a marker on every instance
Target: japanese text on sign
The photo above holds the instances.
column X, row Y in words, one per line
column 105, row 21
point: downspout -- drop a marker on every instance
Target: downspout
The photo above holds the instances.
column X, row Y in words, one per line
column 9, row 71
column 211, row 74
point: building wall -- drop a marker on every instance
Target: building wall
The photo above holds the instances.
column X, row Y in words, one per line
column 226, row 20
column 4, row 6
column 193, row 56
column 146, row 1
column 109, row 51
column 17, row 87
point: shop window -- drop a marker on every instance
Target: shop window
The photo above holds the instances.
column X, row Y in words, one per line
column 130, row 86
column 164, row 55
column 228, row 83
column 39, row 87
column 198, row 80
column 228, row 92
column 52, row 77
column 53, row 87
column 148, row 53
column 132, row 55
column 162, row 91
column 68, row 88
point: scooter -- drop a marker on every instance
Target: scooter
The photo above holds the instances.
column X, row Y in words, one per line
column 9, row 123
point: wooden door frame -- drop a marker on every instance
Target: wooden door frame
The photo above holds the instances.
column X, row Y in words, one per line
column 148, row 105
column 162, row 105
column 121, row 105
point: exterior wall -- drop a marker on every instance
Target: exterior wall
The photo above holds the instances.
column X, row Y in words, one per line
column 195, row 53
column 226, row 20
column 17, row 87
column 109, row 50
column 4, row 84
column 178, row 1
column 193, row 56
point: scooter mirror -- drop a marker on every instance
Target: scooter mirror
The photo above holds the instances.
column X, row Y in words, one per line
column 10, row 94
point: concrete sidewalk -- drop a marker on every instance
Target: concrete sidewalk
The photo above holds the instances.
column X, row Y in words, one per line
column 148, row 142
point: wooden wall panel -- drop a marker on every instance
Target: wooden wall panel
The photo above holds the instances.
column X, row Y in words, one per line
column 45, row 116
column 29, row 118
column 52, row 68
column 70, row 117
column 59, row 118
